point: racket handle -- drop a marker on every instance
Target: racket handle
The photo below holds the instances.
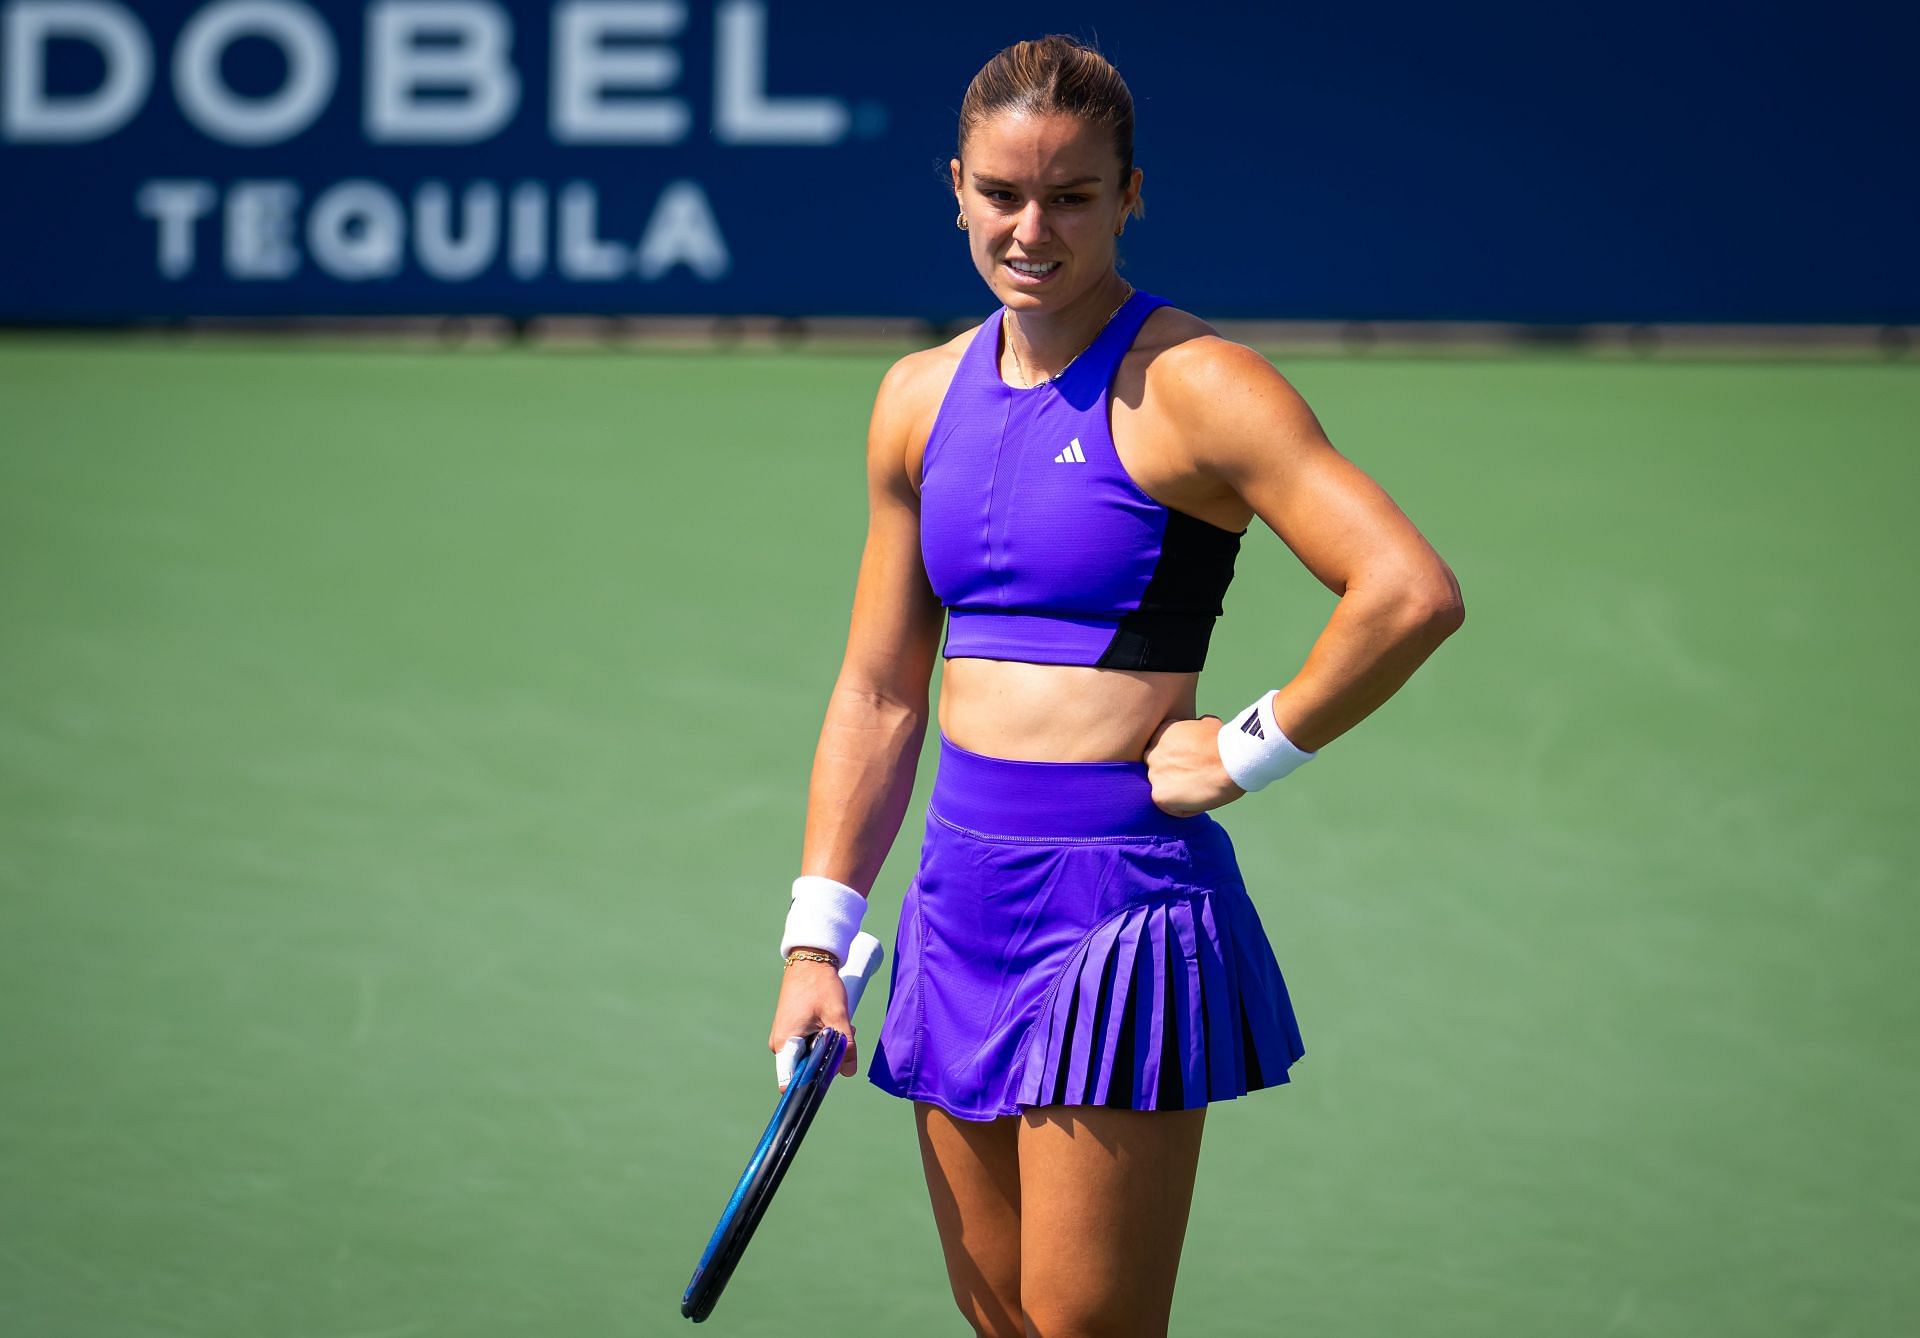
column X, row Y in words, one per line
column 863, row 959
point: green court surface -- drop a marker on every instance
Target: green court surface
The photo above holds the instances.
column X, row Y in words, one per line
column 402, row 764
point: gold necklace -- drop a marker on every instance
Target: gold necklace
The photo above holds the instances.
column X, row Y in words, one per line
column 1035, row 385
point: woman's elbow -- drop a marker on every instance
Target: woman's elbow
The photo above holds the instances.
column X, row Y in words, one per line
column 1431, row 606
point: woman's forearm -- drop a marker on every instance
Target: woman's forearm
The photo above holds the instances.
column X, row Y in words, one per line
column 862, row 782
column 1378, row 635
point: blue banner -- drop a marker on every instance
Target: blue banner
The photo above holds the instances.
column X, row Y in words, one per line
column 1512, row 162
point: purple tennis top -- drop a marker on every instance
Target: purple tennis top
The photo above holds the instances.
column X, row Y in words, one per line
column 1035, row 538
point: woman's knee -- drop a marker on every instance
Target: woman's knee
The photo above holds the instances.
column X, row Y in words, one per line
column 991, row 1315
column 1068, row 1314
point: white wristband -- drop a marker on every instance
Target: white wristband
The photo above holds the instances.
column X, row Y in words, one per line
column 1254, row 751
column 824, row 915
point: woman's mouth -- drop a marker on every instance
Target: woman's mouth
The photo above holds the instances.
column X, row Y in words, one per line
column 1029, row 273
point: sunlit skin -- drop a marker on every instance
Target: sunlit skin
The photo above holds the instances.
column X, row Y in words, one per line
column 1050, row 189
column 1045, row 189
column 1027, row 1205
column 1203, row 425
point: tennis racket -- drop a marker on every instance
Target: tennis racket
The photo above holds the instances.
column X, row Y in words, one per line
column 815, row 1059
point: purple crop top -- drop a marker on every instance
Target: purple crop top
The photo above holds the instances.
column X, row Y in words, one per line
column 1035, row 538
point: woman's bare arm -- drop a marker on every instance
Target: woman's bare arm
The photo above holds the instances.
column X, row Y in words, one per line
column 1244, row 426
column 877, row 715
column 1398, row 599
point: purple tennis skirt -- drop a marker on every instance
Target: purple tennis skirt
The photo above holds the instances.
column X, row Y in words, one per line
column 1065, row 942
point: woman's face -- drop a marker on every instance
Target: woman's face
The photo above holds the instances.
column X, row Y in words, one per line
column 1043, row 201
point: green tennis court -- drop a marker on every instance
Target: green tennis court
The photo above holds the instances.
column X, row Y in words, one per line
column 402, row 765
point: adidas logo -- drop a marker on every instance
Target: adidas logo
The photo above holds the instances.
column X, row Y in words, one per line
column 1073, row 455
column 1251, row 725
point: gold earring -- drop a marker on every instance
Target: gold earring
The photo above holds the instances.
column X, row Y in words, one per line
column 960, row 221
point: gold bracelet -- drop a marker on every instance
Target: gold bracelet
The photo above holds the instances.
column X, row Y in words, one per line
column 809, row 955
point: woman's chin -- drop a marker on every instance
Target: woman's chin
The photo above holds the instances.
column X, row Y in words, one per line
column 1020, row 296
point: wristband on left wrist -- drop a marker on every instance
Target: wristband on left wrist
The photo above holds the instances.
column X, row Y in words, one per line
column 1254, row 749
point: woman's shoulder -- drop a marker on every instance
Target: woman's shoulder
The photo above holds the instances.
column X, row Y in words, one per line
column 909, row 400
column 1186, row 374
column 1179, row 343
column 1169, row 327
column 914, row 386
column 1179, row 356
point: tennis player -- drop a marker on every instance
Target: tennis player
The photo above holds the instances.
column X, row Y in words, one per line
column 1079, row 970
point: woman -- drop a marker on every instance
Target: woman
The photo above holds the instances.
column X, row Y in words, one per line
column 1079, row 970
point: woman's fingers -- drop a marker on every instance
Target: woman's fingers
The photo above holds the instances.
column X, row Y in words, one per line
column 810, row 999
column 784, row 1059
column 1184, row 768
column 849, row 1062
column 786, row 1054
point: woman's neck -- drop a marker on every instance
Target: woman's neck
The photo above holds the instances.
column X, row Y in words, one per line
column 1044, row 342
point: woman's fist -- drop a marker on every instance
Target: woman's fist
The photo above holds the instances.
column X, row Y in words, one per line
column 1184, row 767
column 812, row 996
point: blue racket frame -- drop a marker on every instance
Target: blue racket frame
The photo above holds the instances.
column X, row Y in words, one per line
column 765, row 1168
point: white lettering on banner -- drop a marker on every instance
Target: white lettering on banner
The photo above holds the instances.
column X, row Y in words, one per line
column 527, row 253
column 312, row 65
column 259, row 241
column 357, row 231
column 582, row 254
column 594, row 80
column 682, row 231
column 175, row 206
column 742, row 111
column 440, row 253
column 29, row 114
column 433, row 71
column 414, row 46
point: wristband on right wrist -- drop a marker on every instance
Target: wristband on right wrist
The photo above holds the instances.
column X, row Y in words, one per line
column 825, row 915
column 1254, row 750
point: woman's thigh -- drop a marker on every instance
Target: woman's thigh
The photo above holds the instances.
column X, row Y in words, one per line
column 1104, row 1196
column 973, row 1178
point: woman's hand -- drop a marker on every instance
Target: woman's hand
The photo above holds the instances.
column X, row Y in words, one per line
column 812, row 997
column 1183, row 764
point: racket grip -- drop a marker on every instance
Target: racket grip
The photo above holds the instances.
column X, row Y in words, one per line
column 863, row 959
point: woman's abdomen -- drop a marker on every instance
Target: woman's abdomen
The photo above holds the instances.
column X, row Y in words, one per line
column 1058, row 712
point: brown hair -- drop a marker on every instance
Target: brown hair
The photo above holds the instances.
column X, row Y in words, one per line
column 1053, row 76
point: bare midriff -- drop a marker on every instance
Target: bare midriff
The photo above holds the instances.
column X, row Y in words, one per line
column 1059, row 712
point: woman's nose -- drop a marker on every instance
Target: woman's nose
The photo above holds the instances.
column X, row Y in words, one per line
column 1032, row 225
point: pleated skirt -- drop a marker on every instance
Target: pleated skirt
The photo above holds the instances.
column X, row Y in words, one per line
column 1066, row 942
